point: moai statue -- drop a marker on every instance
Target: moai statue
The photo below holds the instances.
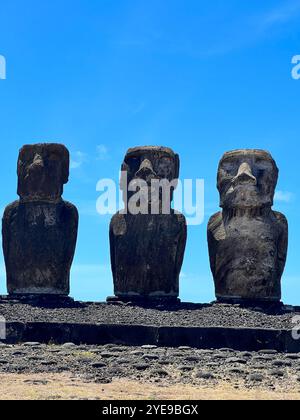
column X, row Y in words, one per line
column 40, row 230
column 247, row 240
column 147, row 247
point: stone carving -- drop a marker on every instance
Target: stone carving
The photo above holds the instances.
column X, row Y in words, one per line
column 40, row 230
column 147, row 250
column 247, row 240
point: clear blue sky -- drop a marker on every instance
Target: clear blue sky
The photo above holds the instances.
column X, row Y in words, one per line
column 200, row 76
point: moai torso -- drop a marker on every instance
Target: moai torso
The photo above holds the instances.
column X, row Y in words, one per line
column 147, row 250
column 40, row 230
column 247, row 241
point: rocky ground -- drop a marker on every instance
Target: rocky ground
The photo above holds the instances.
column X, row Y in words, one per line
column 40, row 371
column 189, row 315
column 271, row 371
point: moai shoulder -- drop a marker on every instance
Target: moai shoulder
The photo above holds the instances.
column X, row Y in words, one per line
column 40, row 229
column 247, row 241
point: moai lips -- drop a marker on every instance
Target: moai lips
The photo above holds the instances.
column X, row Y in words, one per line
column 247, row 240
column 40, row 230
column 147, row 250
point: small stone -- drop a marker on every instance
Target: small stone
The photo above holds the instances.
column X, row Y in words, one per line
column 219, row 356
column 192, row 359
column 150, row 357
column 159, row 372
column 31, row 344
column 18, row 353
column 268, row 352
column 107, row 355
column 149, row 347
column 205, row 375
column 246, row 354
column 292, row 356
column 280, row 363
column 98, row 365
column 164, row 362
column 48, row 363
column 137, row 353
column 236, row 360
column 36, row 382
column 206, row 352
column 185, row 368
column 256, row 377
column 184, row 348
column 262, row 358
column 68, row 345
column 278, row 373
column 236, row 371
column 141, row 366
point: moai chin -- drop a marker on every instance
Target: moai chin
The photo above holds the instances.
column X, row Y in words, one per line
column 147, row 249
column 247, row 240
column 40, row 229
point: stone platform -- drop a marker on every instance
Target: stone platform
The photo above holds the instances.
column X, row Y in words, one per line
column 209, row 326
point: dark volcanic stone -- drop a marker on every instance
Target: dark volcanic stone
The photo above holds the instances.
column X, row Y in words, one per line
column 233, row 360
column 280, row 363
column 141, row 366
column 205, row 375
column 268, row 352
column 256, row 377
column 159, row 372
column 277, row 372
column 194, row 359
column 237, row 371
column 40, row 230
column 150, row 357
column 247, row 240
column 138, row 273
column 98, row 365
column 292, row 356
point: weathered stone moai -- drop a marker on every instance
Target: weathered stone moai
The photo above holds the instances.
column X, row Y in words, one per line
column 247, row 240
column 40, row 230
column 147, row 250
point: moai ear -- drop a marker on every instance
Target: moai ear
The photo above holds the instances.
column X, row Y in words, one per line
column 177, row 166
column 123, row 178
column 21, row 158
column 65, row 166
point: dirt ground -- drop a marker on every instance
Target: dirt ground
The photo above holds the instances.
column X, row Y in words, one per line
column 67, row 387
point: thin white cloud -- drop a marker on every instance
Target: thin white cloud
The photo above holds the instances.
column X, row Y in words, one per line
column 102, row 152
column 138, row 108
column 284, row 196
column 77, row 160
column 282, row 14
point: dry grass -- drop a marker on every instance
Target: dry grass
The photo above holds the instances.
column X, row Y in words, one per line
column 66, row 387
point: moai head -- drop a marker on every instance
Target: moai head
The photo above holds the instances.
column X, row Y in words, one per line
column 43, row 169
column 247, row 179
column 149, row 163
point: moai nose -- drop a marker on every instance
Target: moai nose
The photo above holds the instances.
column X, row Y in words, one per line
column 145, row 170
column 38, row 161
column 245, row 175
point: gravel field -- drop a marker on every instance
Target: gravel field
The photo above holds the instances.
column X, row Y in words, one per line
column 188, row 315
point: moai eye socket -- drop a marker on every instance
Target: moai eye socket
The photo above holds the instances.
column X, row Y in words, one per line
column 133, row 163
column 164, row 167
column 54, row 157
